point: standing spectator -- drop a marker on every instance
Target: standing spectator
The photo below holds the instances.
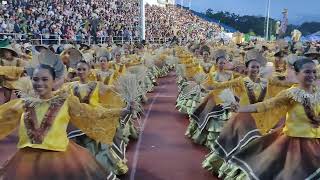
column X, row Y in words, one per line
column 17, row 26
column 94, row 23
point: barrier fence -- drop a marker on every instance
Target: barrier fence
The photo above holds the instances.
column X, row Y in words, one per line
column 56, row 39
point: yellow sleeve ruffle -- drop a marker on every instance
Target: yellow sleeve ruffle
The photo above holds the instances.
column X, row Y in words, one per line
column 110, row 80
column 271, row 111
column 96, row 122
column 280, row 101
column 108, row 98
column 10, row 114
column 11, row 72
column 235, row 83
column 274, row 81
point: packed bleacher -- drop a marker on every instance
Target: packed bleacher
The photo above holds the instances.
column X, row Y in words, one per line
column 163, row 22
column 102, row 20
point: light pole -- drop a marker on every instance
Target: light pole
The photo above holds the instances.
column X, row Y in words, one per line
column 143, row 20
column 268, row 20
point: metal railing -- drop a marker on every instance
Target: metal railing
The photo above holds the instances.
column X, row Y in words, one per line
column 56, row 39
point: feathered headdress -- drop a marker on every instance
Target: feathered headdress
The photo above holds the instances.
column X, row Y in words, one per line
column 219, row 54
column 73, row 56
column 254, row 54
column 103, row 52
column 47, row 57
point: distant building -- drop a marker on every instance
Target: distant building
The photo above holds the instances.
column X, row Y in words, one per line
column 159, row 2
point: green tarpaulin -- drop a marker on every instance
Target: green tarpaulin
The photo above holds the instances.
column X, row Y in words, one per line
column 4, row 42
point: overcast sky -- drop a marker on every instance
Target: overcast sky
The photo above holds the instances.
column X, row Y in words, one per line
column 299, row 10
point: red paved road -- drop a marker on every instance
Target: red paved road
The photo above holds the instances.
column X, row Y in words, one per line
column 163, row 152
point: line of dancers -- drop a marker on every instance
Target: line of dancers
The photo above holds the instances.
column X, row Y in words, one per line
column 77, row 108
column 254, row 105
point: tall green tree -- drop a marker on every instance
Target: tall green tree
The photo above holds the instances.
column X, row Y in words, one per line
column 256, row 24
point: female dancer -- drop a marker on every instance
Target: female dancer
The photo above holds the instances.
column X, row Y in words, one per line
column 290, row 152
column 93, row 93
column 117, row 65
column 104, row 74
column 205, row 64
column 44, row 149
column 250, row 90
column 191, row 94
column 208, row 129
column 9, row 57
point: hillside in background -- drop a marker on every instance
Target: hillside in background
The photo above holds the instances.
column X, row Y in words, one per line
column 204, row 16
column 255, row 24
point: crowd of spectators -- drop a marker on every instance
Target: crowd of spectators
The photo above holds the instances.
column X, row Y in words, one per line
column 70, row 19
column 102, row 20
column 173, row 20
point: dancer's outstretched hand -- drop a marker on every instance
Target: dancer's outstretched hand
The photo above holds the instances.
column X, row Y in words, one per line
column 234, row 107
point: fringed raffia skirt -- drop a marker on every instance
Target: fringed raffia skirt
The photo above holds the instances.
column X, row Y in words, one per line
column 38, row 164
column 206, row 122
column 104, row 155
column 278, row 156
column 237, row 133
column 210, row 119
column 188, row 103
column 149, row 83
column 181, row 83
column 191, row 129
column 212, row 129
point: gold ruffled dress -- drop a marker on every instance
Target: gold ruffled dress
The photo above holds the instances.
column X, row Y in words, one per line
column 244, row 127
column 90, row 93
column 106, row 77
column 10, row 81
column 208, row 127
column 45, row 151
column 190, row 96
column 119, row 69
column 290, row 152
